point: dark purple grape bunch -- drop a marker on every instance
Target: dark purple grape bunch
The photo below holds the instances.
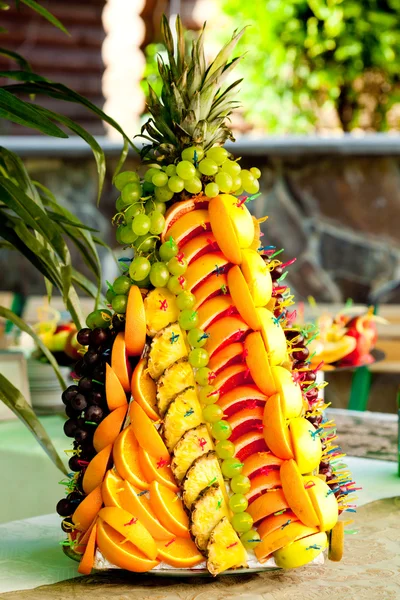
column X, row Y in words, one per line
column 66, row 508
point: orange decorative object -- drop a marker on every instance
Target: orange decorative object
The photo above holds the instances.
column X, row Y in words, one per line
column 213, row 263
column 119, row 362
column 307, row 446
column 178, row 209
column 181, row 553
column 111, row 487
column 281, row 537
column 257, row 277
column 215, row 285
column 267, row 504
column 274, row 522
column 262, row 483
column 137, row 503
column 146, row 434
column 108, row 430
column 244, row 396
column 289, row 391
column 273, row 336
column 199, row 245
column 96, row 470
column 276, row 431
column 131, row 528
column 248, row 419
column 214, row 309
column 296, row 494
column 144, row 390
column 230, row 355
column 115, row 393
column 126, row 458
column 188, row 226
column 261, row 462
column 155, row 470
column 87, row 510
column 135, row 325
column 258, row 363
column 247, row 444
column 121, row 553
column 87, row 560
column 242, row 298
column 225, row 331
column 169, row 509
column 224, row 231
column 231, row 377
column 323, row 501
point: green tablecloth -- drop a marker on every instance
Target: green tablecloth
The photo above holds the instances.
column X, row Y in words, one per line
column 30, row 554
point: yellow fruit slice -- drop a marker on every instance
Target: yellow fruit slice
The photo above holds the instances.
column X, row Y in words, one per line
column 273, row 336
column 301, row 552
column 276, row 431
column 108, row 430
column 126, row 458
column 157, row 470
column 242, row 298
column 289, row 391
column 87, row 510
column 131, row 528
column 87, row 560
column 306, row 445
column 281, row 537
column 336, row 542
column 121, row 553
column 135, row 324
column 169, row 509
column 258, row 363
column 96, row 470
column 323, row 500
column 257, row 276
column 224, row 231
column 137, row 503
column 161, row 310
column 119, row 362
column 144, row 390
column 296, row 495
column 115, row 393
column 146, row 434
column 180, row 553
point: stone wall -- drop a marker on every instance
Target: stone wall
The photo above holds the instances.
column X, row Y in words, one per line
column 339, row 215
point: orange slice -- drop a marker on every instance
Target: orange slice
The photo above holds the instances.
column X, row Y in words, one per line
column 96, row 470
column 262, row 483
column 247, row 444
column 144, row 390
column 169, row 509
column 267, row 504
column 181, row 553
column 155, row 470
column 274, row 522
column 213, row 263
column 214, row 309
column 115, row 393
column 135, row 323
column 87, row 510
column 258, row 363
column 244, row 396
column 199, row 245
column 146, row 434
column 188, row 225
column 82, row 537
column 276, row 431
column 121, row 553
column 231, row 377
column 282, row 537
column 215, row 285
column 108, row 430
column 248, row 419
column 111, row 487
column 273, row 336
column 226, row 357
column 224, row 231
column 225, row 331
column 87, row 560
column 242, row 298
column 262, row 462
column 126, row 459
column 178, row 209
column 137, row 503
column 297, row 497
column 131, row 528
column 119, row 362
column 257, row 235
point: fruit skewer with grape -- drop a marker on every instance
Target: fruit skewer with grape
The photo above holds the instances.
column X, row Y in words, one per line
column 222, row 376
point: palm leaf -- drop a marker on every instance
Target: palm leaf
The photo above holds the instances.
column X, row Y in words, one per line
column 20, row 112
column 45, row 14
column 13, row 398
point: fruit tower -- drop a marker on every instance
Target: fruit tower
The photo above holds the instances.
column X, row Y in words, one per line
column 199, row 437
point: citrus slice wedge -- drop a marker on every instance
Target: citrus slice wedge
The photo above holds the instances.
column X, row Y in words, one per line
column 276, row 431
column 108, row 430
column 87, row 510
column 214, row 309
column 228, row 356
column 248, row 419
column 225, row 331
column 238, row 398
column 281, row 537
column 199, row 270
column 135, row 323
column 126, row 459
column 262, row 483
column 274, row 522
column 224, row 231
column 259, row 463
column 87, row 560
column 119, row 362
column 155, row 470
column 131, row 528
column 301, row 552
column 248, row 444
column 96, row 470
column 258, row 363
column 179, row 552
column 188, row 226
column 115, row 393
column 169, row 509
column 199, row 245
column 146, row 434
column 144, row 390
column 242, row 298
column 299, row 501
column 268, row 504
column 230, row 377
column 215, row 285
column 178, row 209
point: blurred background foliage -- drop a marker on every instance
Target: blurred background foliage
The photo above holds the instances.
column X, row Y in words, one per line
column 314, row 65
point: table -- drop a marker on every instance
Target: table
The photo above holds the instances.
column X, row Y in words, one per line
column 30, row 554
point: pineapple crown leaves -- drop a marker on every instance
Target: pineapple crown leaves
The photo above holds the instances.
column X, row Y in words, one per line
column 193, row 107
